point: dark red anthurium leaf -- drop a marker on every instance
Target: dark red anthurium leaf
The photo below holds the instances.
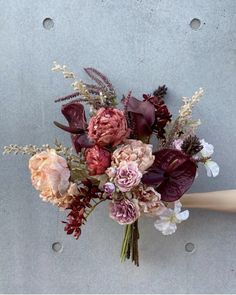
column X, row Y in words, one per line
column 75, row 115
column 142, row 113
column 69, row 129
column 172, row 172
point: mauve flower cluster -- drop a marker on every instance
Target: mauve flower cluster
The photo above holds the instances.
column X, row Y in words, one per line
column 130, row 197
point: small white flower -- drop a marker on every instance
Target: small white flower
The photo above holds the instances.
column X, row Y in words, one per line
column 212, row 167
column 177, row 144
column 208, row 149
column 169, row 218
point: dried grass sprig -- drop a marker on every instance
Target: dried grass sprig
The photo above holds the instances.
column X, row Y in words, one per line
column 25, row 150
column 185, row 111
column 183, row 123
column 33, row 149
column 97, row 96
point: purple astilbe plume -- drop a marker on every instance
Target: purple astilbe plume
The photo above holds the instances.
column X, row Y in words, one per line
column 75, row 115
column 103, row 85
column 80, row 207
column 100, row 79
column 172, row 172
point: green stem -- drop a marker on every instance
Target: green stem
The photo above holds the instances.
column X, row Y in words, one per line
column 91, row 210
column 125, row 242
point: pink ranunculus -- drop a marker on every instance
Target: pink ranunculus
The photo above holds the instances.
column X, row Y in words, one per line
column 149, row 201
column 108, row 127
column 124, row 211
column 127, row 176
column 49, row 172
column 97, row 159
column 136, row 151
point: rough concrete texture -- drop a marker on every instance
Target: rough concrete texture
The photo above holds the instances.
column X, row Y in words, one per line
column 139, row 45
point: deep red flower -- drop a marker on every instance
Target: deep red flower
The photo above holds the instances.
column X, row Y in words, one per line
column 141, row 116
column 75, row 115
column 162, row 114
column 97, row 159
column 172, row 172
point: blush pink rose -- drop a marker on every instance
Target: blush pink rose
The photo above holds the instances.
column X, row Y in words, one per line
column 49, row 172
column 127, row 176
column 97, row 160
column 108, row 127
column 124, row 211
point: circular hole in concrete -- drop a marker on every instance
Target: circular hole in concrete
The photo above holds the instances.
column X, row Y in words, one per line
column 195, row 24
column 189, row 247
column 57, row 247
column 48, row 23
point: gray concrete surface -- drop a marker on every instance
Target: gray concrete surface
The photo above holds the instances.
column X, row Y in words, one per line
column 139, row 45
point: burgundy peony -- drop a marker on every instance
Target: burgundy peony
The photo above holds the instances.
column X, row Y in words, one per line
column 108, row 127
column 172, row 172
column 97, row 159
column 124, row 211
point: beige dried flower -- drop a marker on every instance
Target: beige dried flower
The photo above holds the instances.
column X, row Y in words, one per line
column 186, row 110
column 63, row 68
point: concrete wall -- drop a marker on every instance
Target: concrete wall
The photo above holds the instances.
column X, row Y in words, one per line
column 139, row 45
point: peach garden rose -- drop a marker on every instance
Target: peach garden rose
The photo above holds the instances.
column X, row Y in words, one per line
column 50, row 175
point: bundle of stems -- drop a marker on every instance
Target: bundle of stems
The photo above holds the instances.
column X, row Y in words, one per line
column 129, row 247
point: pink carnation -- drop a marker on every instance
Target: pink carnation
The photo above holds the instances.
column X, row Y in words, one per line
column 97, row 160
column 136, row 151
column 108, row 127
column 124, row 211
column 149, row 201
column 127, row 176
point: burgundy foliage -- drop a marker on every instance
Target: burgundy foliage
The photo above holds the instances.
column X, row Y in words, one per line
column 172, row 172
column 75, row 115
column 77, row 216
column 141, row 115
column 162, row 114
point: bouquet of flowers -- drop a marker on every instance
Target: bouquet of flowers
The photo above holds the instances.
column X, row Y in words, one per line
column 113, row 158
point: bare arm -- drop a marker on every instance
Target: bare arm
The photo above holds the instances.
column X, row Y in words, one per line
column 220, row 201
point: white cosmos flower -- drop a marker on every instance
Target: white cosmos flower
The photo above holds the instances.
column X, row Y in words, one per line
column 212, row 167
column 166, row 223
